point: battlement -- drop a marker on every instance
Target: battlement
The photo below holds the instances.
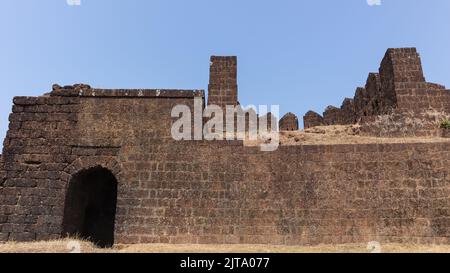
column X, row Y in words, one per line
column 400, row 87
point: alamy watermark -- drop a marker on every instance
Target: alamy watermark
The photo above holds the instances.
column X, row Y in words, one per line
column 227, row 123
column 73, row 2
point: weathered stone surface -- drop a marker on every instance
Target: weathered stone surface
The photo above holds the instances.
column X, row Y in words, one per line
column 376, row 102
column 222, row 89
column 332, row 115
column 289, row 122
column 312, row 119
column 361, row 102
column 348, row 112
column 446, row 133
column 435, row 86
column 398, row 89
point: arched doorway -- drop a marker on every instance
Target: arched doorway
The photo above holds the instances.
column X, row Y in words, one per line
column 90, row 206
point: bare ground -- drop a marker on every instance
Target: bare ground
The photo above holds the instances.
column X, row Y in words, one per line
column 67, row 246
column 340, row 134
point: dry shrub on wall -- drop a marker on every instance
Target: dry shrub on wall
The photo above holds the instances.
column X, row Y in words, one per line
column 445, row 124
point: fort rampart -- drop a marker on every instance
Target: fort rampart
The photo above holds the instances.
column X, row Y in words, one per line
column 169, row 191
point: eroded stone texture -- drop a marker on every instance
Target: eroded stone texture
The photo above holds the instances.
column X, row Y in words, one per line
column 377, row 103
column 348, row 112
column 397, row 90
column 289, row 122
column 361, row 101
column 340, row 116
column 312, row 119
column 332, row 115
column 223, row 81
column 401, row 76
column 435, row 86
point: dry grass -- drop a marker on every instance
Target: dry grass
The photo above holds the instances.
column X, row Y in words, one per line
column 57, row 246
column 66, row 246
column 340, row 134
column 406, row 123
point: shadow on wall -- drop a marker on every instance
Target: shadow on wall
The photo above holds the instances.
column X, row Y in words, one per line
column 90, row 206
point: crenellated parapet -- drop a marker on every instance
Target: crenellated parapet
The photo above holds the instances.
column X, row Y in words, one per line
column 399, row 87
column 289, row 122
column 312, row 119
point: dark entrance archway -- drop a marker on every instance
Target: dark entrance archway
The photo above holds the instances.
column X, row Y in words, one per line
column 90, row 206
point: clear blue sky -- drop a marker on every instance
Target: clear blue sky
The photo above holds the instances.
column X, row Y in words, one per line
column 299, row 54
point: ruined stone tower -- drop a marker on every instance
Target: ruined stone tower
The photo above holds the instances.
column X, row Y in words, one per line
column 399, row 89
column 223, row 88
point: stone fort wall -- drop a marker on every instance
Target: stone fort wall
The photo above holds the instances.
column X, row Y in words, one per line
column 211, row 192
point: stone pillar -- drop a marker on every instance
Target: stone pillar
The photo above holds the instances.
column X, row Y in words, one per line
column 222, row 89
column 402, row 79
